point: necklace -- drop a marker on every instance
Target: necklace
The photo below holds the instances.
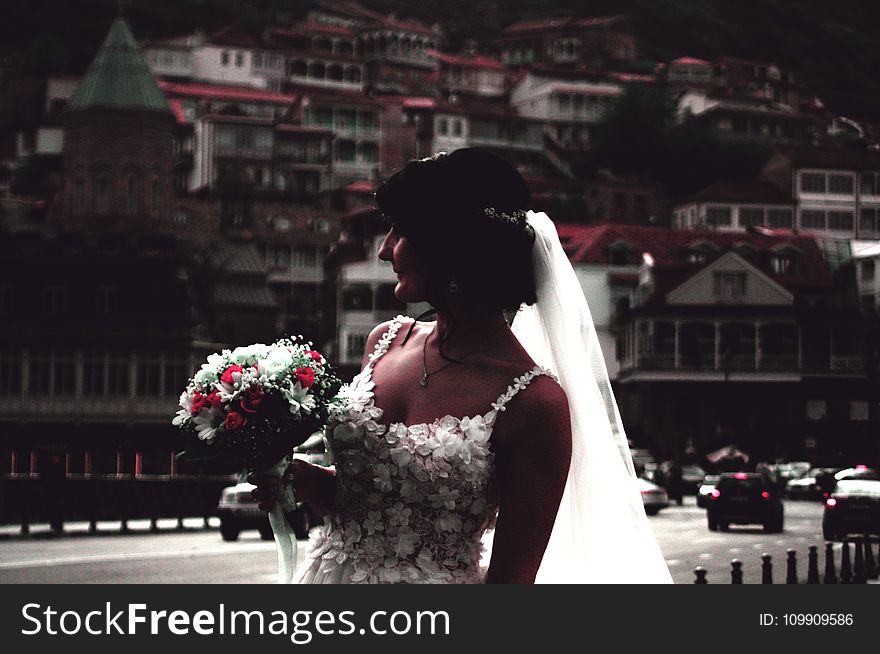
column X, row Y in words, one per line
column 424, row 381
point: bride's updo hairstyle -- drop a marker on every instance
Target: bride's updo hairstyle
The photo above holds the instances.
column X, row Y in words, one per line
column 464, row 213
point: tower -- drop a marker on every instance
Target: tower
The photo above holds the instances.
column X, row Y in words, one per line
column 117, row 154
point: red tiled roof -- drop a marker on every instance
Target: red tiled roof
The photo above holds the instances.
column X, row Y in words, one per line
column 317, row 94
column 590, row 244
column 475, row 61
column 360, row 187
column 306, row 28
column 218, row 91
column 407, row 101
column 690, row 61
column 632, row 77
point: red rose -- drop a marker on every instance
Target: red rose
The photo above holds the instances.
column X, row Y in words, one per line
column 214, row 400
column 250, row 402
column 198, row 403
column 226, row 377
column 305, row 376
column 316, row 356
column 234, row 421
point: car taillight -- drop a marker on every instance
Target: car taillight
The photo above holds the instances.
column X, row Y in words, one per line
column 765, row 495
column 716, row 494
column 741, row 475
column 830, row 502
column 861, row 466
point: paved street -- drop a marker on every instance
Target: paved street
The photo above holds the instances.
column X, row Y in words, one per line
column 200, row 556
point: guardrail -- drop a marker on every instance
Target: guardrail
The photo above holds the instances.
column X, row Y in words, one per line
column 857, row 569
column 25, row 499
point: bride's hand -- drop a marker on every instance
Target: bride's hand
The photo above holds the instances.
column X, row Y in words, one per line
column 314, row 485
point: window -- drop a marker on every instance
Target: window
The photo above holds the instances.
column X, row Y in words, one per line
column 868, row 222
column 840, row 220
column 117, row 376
column 812, row 183
column 94, row 374
column 239, row 59
column 132, row 194
column 816, row 409
column 811, row 219
column 751, row 217
column 858, row 410
column 224, row 58
column 258, row 60
column 355, row 345
column 64, row 377
column 868, row 268
column 279, row 257
column 782, row 264
column 442, row 126
column 10, row 373
column 148, row 378
column 840, row 184
column 305, row 257
column 357, row 298
column 780, row 218
column 456, row 128
column 729, row 286
column 39, row 376
column 718, row 215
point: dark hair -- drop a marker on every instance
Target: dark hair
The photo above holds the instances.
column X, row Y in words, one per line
column 439, row 203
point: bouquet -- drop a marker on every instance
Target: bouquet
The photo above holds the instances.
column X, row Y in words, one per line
column 247, row 408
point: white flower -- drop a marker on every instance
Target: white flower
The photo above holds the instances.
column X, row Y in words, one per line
column 208, row 424
column 407, row 540
column 449, row 522
column 276, row 362
column 249, row 355
column 475, row 429
column 299, row 398
column 448, row 444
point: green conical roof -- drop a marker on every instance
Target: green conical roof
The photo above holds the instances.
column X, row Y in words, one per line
column 119, row 78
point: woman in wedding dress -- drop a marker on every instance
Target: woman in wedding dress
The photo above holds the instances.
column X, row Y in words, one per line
column 464, row 427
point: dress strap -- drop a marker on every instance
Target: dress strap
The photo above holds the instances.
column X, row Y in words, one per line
column 386, row 339
column 519, row 384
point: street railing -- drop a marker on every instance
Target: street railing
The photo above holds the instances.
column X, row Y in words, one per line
column 858, row 568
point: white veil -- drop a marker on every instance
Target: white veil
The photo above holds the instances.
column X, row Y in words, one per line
column 601, row 533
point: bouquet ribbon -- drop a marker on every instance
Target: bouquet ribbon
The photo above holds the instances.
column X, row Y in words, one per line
column 285, row 538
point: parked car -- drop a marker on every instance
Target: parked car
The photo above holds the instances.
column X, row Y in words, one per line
column 653, row 496
column 691, row 477
column 705, row 489
column 853, row 507
column 745, row 498
column 238, row 511
column 785, row 472
column 810, row 486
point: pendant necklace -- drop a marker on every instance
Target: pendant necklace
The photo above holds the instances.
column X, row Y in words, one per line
column 424, row 381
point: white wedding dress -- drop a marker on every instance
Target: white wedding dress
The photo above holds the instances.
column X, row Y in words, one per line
column 413, row 502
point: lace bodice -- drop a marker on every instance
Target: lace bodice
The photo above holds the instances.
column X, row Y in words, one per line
column 412, row 501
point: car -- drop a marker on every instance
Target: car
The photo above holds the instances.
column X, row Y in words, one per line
column 853, row 507
column 653, row 496
column 785, row 472
column 691, row 477
column 705, row 489
column 238, row 511
column 810, row 486
column 745, row 498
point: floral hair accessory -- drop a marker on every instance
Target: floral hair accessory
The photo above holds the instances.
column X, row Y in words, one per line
column 518, row 217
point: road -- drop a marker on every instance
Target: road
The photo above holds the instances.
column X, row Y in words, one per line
column 201, row 556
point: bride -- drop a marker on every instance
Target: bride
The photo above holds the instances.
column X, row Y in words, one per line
column 463, row 428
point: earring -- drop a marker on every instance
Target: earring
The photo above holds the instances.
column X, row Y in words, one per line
column 453, row 286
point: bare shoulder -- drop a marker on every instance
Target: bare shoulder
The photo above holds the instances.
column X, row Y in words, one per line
column 377, row 332
column 541, row 408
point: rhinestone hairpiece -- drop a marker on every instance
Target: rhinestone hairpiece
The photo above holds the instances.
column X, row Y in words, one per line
column 517, row 217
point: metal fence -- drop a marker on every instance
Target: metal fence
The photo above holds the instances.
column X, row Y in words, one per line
column 26, row 499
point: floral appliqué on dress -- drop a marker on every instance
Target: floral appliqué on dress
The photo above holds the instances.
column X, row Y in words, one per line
column 412, row 502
